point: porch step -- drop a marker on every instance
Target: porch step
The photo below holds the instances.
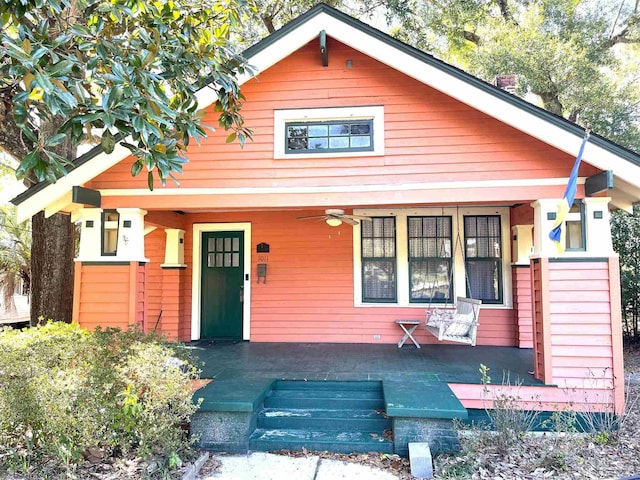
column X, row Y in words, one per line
column 341, row 417
column 324, row 420
column 337, row 442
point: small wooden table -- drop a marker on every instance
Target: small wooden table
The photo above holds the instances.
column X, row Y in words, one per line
column 408, row 332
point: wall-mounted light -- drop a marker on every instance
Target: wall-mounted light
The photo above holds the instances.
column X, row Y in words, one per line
column 334, row 222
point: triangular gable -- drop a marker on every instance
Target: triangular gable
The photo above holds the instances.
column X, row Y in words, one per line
column 549, row 128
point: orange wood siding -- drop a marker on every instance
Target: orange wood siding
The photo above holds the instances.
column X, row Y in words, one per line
column 580, row 323
column 105, row 295
column 577, row 339
column 309, row 296
column 429, row 137
column 154, row 251
column 141, row 291
column 522, row 299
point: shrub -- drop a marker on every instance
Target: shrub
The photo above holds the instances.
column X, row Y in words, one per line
column 67, row 394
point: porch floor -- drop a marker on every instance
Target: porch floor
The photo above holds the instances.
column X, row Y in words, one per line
column 330, row 361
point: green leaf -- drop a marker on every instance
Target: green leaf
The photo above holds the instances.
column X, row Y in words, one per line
column 231, row 137
column 108, row 142
column 150, row 180
column 136, row 168
column 55, row 140
column 29, row 161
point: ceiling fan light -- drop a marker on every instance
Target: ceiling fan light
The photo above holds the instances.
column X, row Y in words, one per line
column 334, row 222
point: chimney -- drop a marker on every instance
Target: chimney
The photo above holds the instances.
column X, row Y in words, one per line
column 506, row 82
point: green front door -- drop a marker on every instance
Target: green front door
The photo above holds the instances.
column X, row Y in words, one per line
column 222, row 285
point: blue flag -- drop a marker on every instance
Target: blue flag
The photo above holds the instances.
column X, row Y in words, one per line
column 567, row 200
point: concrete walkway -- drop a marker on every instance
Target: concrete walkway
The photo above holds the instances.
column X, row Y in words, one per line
column 267, row 466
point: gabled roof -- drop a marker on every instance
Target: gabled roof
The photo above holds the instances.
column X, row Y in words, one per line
column 520, row 114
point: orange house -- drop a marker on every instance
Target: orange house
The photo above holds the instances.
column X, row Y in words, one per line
column 458, row 181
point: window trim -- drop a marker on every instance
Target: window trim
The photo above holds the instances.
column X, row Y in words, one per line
column 402, row 259
column 373, row 113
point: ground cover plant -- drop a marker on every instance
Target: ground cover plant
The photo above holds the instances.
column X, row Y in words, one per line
column 70, row 399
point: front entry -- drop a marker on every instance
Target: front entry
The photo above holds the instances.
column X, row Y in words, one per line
column 222, row 285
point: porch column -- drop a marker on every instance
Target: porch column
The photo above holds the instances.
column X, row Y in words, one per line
column 110, row 276
column 173, row 275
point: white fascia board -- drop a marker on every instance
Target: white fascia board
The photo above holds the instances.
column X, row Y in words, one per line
column 79, row 176
column 491, row 105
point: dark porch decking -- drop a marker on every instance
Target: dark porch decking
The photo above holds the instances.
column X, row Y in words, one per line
column 331, row 361
column 412, row 384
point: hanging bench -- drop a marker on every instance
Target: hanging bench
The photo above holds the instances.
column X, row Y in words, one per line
column 459, row 325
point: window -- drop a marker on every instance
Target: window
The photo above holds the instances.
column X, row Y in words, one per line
column 430, row 259
column 575, row 237
column 110, row 221
column 328, row 132
column 335, row 136
column 379, row 260
column 408, row 256
column 483, row 257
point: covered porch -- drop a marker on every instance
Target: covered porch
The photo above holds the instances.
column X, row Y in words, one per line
column 342, row 397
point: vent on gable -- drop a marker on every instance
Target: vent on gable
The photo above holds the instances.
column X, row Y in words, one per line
column 507, row 83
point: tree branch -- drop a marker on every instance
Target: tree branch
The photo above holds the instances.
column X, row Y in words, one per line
column 471, row 37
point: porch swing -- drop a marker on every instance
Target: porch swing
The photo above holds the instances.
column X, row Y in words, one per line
column 460, row 323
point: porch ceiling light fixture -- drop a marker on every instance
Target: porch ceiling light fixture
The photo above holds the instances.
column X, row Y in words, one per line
column 334, row 222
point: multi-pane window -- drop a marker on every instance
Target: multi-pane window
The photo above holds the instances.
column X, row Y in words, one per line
column 483, row 257
column 332, row 136
column 223, row 252
column 110, row 223
column 379, row 259
column 574, row 239
column 430, row 259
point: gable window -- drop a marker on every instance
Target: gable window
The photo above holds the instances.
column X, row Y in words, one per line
column 429, row 259
column 334, row 136
column 575, row 237
column 328, row 132
column 379, row 260
column 483, row 257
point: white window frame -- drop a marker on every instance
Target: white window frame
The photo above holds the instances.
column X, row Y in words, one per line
column 402, row 255
column 281, row 117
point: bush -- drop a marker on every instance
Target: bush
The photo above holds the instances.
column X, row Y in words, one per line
column 67, row 394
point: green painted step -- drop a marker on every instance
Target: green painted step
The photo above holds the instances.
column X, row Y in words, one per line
column 334, row 385
column 338, row 442
column 324, row 399
column 324, row 420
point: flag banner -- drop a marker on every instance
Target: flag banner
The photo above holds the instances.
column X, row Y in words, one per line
column 565, row 204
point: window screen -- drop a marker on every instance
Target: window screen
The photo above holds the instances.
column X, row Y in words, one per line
column 379, row 259
column 429, row 259
column 483, row 257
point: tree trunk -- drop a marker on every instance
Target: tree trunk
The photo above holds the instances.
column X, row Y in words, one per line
column 52, row 252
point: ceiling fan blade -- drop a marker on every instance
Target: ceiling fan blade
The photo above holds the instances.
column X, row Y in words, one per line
column 348, row 220
column 358, row 217
column 310, row 216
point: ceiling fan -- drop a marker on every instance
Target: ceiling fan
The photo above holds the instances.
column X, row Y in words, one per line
column 335, row 216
